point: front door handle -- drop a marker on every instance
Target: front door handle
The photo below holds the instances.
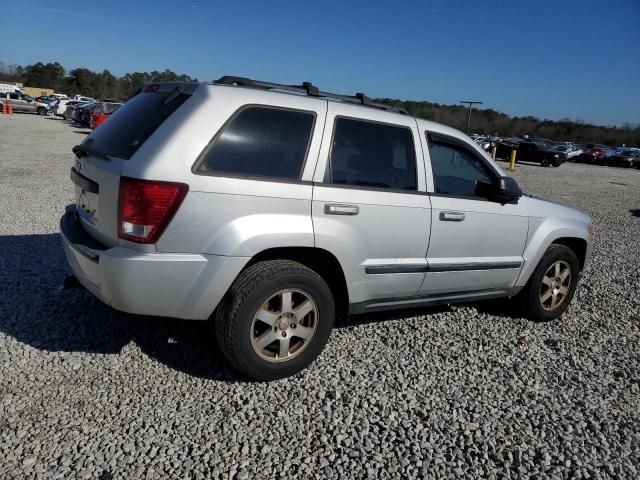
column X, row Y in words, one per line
column 452, row 216
column 340, row 209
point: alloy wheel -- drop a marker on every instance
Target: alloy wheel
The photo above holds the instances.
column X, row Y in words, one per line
column 284, row 325
column 556, row 284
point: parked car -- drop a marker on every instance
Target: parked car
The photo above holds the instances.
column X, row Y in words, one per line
column 46, row 99
column 83, row 98
column 484, row 142
column 592, row 154
column 294, row 205
column 504, row 147
column 540, row 152
column 83, row 114
column 626, row 158
column 80, row 113
column 102, row 112
column 570, row 151
column 23, row 103
column 70, row 111
column 63, row 104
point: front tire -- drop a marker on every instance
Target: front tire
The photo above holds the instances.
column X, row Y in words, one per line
column 42, row 111
column 550, row 289
column 544, row 162
column 274, row 320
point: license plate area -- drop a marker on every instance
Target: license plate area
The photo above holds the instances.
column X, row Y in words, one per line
column 86, row 196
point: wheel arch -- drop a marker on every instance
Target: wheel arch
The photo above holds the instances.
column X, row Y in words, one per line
column 571, row 234
column 323, row 262
column 578, row 245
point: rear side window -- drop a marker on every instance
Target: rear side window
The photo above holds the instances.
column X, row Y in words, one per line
column 108, row 107
column 261, row 141
column 372, row 155
column 134, row 122
column 455, row 171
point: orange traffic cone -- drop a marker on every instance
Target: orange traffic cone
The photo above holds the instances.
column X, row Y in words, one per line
column 10, row 110
column 4, row 109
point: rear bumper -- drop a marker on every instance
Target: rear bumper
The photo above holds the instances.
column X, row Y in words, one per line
column 188, row 286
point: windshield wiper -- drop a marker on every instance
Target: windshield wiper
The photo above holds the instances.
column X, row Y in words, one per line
column 82, row 150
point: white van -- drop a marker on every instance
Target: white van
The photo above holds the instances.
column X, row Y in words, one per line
column 9, row 88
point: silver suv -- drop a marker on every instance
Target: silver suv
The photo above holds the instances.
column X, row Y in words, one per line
column 270, row 209
column 23, row 103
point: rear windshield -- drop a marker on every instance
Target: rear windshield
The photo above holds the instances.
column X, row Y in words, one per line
column 134, row 122
column 108, row 107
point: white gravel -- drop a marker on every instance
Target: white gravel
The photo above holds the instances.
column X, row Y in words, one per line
column 87, row 392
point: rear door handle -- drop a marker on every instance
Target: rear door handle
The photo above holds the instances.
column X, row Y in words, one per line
column 452, row 216
column 340, row 209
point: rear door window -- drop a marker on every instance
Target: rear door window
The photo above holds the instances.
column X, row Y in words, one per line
column 372, row 154
column 261, row 141
column 136, row 120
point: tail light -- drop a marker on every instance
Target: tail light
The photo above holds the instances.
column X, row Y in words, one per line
column 146, row 207
column 98, row 119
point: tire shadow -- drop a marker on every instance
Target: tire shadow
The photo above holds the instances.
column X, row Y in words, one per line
column 364, row 319
column 502, row 307
column 37, row 311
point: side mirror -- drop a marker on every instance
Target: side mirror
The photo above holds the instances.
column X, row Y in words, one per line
column 506, row 189
column 502, row 189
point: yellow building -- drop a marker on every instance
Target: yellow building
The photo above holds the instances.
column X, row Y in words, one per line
column 37, row 91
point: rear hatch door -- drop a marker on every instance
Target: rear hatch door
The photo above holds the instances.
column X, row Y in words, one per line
column 102, row 157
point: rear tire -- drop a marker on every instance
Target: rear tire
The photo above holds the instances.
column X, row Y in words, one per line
column 556, row 163
column 552, row 285
column 544, row 162
column 274, row 320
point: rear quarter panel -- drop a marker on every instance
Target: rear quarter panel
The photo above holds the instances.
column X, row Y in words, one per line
column 232, row 224
column 226, row 215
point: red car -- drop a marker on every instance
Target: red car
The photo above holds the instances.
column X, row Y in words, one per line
column 96, row 119
column 593, row 154
column 102, row 113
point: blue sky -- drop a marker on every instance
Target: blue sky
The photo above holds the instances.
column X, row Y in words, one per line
column 551, row 59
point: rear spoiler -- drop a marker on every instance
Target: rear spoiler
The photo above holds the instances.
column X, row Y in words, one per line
column 180, row 88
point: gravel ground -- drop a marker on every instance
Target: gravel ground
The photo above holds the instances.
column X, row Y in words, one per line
column 87, row 392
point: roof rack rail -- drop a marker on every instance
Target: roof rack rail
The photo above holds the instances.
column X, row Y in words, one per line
column 307, row 88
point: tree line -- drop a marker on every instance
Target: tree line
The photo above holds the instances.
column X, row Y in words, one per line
column 490, row 122
column 82, row 81
column 104, row 84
